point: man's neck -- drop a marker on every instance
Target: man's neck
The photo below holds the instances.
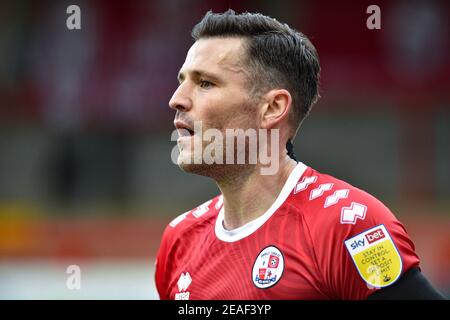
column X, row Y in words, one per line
column 247, row 196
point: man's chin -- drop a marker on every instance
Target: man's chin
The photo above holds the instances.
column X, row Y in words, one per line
column 187, row 164
column 202, row 169
column 217, row 172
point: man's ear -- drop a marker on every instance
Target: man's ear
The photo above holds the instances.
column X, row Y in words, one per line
column 277, row 104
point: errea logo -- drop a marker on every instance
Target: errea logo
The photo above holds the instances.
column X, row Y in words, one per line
column 178, row 219
column 320, row 190
column 351, row 214
column 304, row 184
column 183, row 283
column 335, row 197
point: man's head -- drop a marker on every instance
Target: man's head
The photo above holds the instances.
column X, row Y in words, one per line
column 247, row 71
column 275, row 56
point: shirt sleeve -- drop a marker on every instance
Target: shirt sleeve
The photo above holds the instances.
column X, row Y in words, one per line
column 361, row 247
column 161, row 267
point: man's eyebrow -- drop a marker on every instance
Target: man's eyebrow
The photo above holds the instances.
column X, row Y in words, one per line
column 198, row 74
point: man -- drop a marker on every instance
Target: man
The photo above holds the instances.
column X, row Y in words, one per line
column 291, row 234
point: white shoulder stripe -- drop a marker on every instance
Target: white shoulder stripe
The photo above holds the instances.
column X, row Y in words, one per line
column 178, row 219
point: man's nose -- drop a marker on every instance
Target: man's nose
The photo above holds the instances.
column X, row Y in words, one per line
column 181, row 100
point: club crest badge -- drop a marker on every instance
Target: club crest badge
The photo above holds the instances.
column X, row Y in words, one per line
column 268, row 267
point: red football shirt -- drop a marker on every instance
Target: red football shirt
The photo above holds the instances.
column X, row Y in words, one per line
column 321, row 239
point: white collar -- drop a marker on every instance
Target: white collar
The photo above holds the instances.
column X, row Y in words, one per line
column 250, row 227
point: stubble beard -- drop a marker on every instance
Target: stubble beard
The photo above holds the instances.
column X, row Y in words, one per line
column 225, row 172
column 220, row 172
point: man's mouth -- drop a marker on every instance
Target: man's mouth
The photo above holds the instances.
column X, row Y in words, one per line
column 184, row 130
column 185, row 133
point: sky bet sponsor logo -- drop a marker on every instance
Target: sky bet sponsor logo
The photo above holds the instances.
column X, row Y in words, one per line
column 375, row 235
column 357, row 243
column 370, row 237
column 375, row 256
column 366, row 239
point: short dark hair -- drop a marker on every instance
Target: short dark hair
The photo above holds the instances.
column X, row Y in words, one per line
column 277, row 55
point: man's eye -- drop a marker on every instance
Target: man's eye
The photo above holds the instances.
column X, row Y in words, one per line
column 205, row 84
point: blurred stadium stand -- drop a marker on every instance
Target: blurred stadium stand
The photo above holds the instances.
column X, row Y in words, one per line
column 85, row 170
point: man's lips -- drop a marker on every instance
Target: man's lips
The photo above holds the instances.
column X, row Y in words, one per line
column 183, row 128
